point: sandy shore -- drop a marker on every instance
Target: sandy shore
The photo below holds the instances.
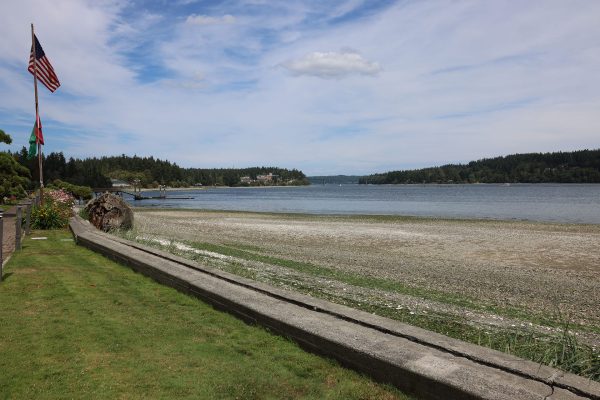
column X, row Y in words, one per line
column 545, row 269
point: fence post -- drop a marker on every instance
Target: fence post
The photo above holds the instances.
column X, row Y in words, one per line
column 28, row 219
column 1, row 245
column 18, row 229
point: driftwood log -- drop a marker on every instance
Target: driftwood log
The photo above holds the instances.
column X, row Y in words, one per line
column 108, row 212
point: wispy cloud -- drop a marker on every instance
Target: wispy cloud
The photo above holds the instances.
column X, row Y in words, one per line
column 332, row 65
column 207, row 20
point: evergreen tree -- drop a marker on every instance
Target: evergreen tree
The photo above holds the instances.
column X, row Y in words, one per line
column 14, row 178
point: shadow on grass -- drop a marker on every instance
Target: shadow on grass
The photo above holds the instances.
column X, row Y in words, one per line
column 6, row 276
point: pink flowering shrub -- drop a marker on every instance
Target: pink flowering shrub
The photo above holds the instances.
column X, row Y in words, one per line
column 59, row 197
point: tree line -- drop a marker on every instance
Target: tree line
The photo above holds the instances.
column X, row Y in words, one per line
column 581, row 166
column 149, row 171
column 334, row 179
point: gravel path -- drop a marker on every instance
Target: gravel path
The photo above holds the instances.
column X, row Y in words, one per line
column 542, row 268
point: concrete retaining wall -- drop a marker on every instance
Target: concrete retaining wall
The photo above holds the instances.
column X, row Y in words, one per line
column 417, row 361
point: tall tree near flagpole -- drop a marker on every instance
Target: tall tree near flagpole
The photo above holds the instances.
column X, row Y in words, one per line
column 37, row 115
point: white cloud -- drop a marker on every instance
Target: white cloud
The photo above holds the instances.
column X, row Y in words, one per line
column 207, row 20
column 332, row 65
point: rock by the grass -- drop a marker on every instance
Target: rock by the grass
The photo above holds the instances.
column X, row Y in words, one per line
column 108, row 212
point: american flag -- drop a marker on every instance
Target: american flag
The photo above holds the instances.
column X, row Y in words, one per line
column 43, row 69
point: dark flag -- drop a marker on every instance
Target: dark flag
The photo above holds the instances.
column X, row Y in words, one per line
column 43, row 69
column 33, row 141
column 35, row 138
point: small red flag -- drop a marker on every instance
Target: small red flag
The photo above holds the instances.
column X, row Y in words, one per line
column 38, row 131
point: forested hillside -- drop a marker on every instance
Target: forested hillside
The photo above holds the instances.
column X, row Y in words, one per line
column 334, row 179
column 564, row 167
column 151, row 172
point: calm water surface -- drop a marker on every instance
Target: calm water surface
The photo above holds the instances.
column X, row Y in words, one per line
column 578, row 203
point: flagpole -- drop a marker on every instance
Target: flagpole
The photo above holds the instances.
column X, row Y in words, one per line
column 37, row 116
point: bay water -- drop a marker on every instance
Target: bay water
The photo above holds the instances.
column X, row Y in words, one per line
column 570, row 203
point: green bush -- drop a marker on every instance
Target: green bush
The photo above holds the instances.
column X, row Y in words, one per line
column 56, row 211
column 48, row 216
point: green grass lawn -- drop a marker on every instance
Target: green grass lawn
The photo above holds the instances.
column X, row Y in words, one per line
column 74, row 324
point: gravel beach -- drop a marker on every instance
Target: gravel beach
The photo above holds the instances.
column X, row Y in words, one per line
column 542, row 268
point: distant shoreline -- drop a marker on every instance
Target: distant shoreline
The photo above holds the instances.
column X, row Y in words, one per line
column 194, row 188
column 580, row 166
column 191, row 188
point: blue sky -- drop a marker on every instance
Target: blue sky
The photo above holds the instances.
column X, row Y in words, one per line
column 335, row 87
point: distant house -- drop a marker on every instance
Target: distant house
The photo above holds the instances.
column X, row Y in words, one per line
column 267, row 178
column 119, row 183
column 246, row 179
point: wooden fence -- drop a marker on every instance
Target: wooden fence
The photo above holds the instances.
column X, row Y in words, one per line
column 21, row 214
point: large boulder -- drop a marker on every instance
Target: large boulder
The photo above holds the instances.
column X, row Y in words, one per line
column 108, row 212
